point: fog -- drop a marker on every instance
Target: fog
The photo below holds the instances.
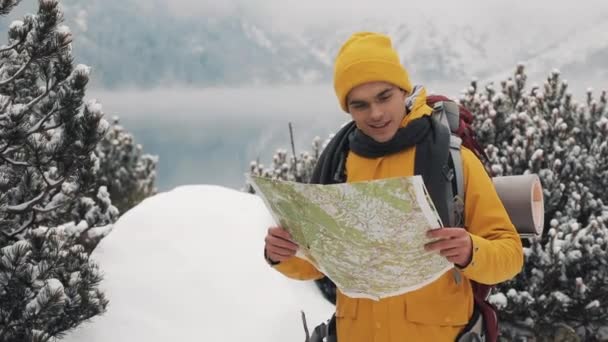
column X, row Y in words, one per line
column 302, row 15
column 209, row 136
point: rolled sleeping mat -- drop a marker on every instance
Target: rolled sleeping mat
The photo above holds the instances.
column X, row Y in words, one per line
column 522, row 197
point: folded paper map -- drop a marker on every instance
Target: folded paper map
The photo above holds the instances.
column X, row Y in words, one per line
column 367, row 237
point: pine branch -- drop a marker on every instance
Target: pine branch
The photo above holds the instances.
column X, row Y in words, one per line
column 37, row 127
column 17, row 74
column 5, row 106
column 36, row 100
column 48, row 210
column 23, row 227
column 7, row 6
column 47, row 128
column 10, row 149
column 13, row 162
column 23, row 207
column 11, row 47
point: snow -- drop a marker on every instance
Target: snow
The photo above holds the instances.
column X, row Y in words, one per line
column 187, row 265
column 64, row 30
column 16, row 24
column 83, row 70
column 593, row 304
column 561, row 297
column 51, row 287
column 499, row 300
column 94, row 107
column 69, row 188
column 11, row 250
column 100, row 231
column 575, row 255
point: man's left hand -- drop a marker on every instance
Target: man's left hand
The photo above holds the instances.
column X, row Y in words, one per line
column 455, row 245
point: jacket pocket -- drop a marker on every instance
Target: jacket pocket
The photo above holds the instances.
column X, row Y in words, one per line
column 441, row 303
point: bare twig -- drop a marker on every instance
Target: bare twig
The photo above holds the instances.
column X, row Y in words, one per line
column 293, row 146
column 293, row 151
column 305, row 326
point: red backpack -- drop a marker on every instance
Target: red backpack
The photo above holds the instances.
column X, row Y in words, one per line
column 463, row 129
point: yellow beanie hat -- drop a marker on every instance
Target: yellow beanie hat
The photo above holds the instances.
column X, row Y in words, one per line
column 367, row 57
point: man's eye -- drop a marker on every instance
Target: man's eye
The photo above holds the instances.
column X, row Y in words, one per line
column 384, row 98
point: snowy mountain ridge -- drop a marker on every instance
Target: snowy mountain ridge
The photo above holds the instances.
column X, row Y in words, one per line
column 147, row 45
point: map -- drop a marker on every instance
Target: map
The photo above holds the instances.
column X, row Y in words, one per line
column 367, row 237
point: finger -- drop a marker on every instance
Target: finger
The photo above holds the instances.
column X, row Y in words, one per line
column 453, row 259
column 278, row 251
column 275, row 241
column 451, row 252
column 443, row 244
column 276, row 257
column 446, row 233
column 280, row 232
column 459, row 260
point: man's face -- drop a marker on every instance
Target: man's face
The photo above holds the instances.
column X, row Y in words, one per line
column 377, row 108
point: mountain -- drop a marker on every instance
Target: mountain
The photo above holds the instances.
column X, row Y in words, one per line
column 144, row 44
column 129, row 44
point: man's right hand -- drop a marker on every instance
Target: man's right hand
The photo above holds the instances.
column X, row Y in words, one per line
column 279, row 245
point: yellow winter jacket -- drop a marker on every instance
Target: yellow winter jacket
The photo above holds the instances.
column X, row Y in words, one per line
column 438, row 311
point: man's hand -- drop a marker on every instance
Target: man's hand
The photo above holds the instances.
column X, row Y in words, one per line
column 279, row 245
column 455, row 245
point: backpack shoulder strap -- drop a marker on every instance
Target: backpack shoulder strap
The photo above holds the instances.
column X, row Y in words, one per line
column 458, row 181
column 447, row 113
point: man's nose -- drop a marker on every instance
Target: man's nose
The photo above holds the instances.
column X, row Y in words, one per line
column 376, row 112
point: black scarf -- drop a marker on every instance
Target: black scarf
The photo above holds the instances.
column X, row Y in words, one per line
column 430, row 137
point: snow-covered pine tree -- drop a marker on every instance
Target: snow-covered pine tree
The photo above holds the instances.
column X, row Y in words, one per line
column 128, row 174
column 50, row 199
column 543, row 130
column 288, row 168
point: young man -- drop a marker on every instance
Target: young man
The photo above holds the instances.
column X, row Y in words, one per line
column 392, row 127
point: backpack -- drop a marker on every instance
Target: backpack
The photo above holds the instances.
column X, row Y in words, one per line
column 459, row 120
column 483, row 325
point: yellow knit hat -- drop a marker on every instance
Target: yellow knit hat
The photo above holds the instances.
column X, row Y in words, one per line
column 367, row 57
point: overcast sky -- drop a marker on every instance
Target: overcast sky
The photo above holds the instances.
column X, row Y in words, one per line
column 286, row 14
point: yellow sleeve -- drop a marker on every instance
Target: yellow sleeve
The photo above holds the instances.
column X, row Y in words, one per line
column 497, row 249
column 298, row 268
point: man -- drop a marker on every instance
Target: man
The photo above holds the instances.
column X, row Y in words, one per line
column 392, row 127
